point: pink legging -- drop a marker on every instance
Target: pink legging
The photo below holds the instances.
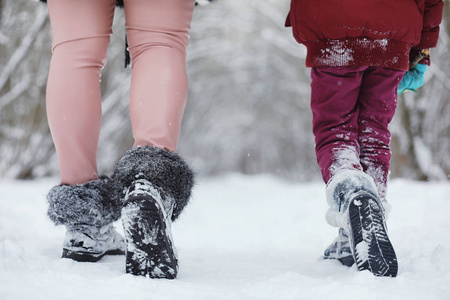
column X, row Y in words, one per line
column 158, row 33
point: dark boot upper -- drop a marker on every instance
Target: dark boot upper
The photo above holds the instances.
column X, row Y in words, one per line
column 164, row 169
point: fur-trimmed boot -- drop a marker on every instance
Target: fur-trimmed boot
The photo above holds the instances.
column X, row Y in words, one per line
column 156, row 185
column 356, row 208
column 88, row 211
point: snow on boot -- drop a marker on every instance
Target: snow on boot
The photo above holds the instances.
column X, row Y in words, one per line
column 147, row 227
column 156, row 186
column 356, row 207
column 340, row 249
column 89, row 243
column 88, row 211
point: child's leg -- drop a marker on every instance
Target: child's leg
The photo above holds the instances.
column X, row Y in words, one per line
column 81, row 31
column 353, row 196
column 377, row 104
column 158, row 33
column 334, row 104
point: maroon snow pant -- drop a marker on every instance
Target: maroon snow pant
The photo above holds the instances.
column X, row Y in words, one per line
column 352, row 107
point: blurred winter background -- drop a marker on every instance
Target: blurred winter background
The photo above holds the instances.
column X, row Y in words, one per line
column 248, row 108
column 248, row 112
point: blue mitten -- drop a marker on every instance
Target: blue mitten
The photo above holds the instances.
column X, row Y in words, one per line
column 413, row 79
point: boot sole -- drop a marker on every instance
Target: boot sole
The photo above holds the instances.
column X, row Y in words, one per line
column 371, row 246
column 150, row 249
column 88, row 256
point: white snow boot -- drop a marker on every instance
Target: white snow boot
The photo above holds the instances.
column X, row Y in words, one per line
column 356, row 208
column 88, row 211
column 340, row 249
column 156, row 186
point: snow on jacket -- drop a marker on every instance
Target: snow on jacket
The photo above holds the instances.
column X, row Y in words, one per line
column 362, row 32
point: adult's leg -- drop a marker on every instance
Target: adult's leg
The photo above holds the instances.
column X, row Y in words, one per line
column 81, row 32
column 158, row 182
column 158, row 33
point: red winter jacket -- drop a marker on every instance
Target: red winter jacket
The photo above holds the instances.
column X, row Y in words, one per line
column 364, row 32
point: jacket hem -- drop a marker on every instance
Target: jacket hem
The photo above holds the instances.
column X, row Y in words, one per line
column 359, row 51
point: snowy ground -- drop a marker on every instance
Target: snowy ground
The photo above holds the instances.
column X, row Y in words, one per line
column 241, row 238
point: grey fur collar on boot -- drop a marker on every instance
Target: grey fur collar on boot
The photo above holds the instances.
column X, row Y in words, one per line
column 164, row 169
column 91, row 203
column 88, row 211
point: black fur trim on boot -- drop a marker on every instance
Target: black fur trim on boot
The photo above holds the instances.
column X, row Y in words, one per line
column 164, row 169
column 90, row 203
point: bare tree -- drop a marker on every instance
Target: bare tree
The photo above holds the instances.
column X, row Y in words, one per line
column 422, row 128
column 249, row 99
column 24, row 148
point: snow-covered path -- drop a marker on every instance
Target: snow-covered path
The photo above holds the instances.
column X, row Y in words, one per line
column 241, row 238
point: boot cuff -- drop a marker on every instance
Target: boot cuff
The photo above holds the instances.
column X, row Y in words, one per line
column 90, row 203
column 342, row 185
column 164, row 169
